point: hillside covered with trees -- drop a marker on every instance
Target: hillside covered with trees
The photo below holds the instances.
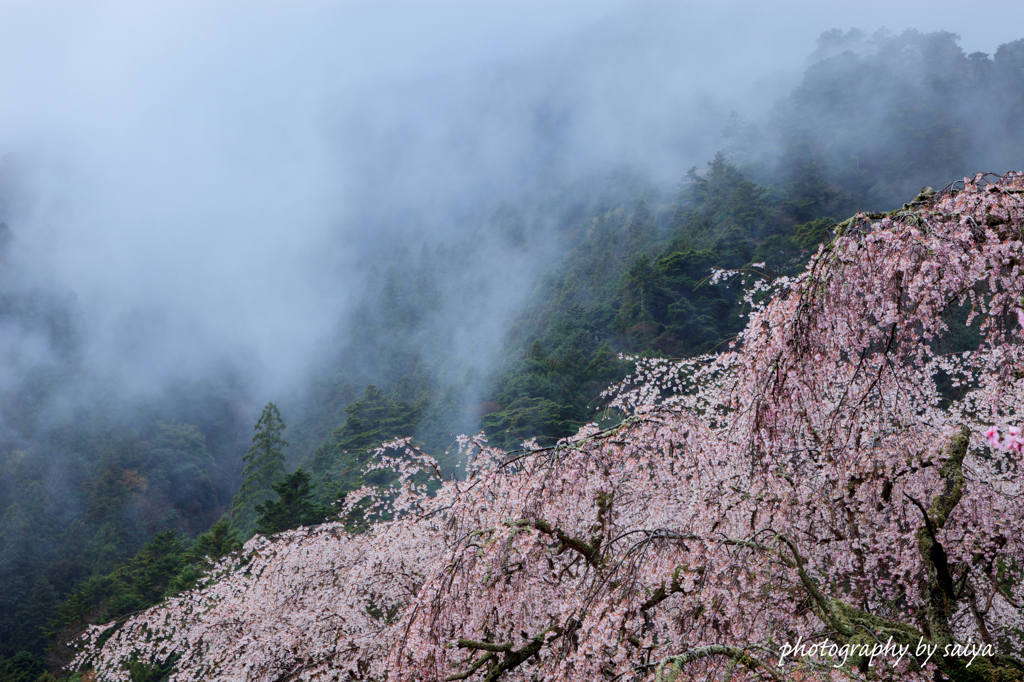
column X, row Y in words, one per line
column 111, row 505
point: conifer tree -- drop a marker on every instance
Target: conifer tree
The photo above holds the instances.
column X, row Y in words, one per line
column 214, row 544
column 264, row 467
column 295, row 506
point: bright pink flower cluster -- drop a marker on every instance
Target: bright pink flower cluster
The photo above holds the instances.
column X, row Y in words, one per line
column 1013, row 441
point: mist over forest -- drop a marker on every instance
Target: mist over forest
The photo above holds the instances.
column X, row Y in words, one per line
column 403, row 219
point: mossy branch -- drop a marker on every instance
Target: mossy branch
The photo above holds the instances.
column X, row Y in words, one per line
column 510, row 659
column 941, row 602
column 673, row 665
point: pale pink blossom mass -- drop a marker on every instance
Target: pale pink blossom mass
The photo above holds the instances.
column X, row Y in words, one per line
column 838, row 474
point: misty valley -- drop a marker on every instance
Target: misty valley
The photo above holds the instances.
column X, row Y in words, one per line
column 135, row 463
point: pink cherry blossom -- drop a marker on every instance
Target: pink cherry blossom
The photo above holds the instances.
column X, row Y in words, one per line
column 993, row 438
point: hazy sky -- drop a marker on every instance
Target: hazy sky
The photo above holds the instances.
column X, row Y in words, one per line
column 195, row 171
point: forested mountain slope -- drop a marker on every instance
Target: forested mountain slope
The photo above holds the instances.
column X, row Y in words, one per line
column 101, row 508
column 875, row 119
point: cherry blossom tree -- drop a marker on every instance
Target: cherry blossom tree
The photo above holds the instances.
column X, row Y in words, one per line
column 832, row 498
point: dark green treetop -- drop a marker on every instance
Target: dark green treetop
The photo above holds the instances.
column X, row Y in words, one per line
column 294, row 507
column 264, row 467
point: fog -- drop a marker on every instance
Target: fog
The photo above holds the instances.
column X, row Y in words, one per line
column 212, row 182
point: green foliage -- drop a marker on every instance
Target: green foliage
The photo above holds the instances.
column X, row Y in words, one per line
column 528, row 418
column 293, row 508
column 144, row 581
column 636, row 283
column 184, row 464
column 642, row 228
column 720, row 207
column 881, row 116
column 557, row 355
column 375, row 418
column 264, row 467
column 810, row 234
column 142, row 671
column 163, row 567
column 214, row 544
column 137, row 585
column 79, row 503
column 21, row 667
column 28, row 595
